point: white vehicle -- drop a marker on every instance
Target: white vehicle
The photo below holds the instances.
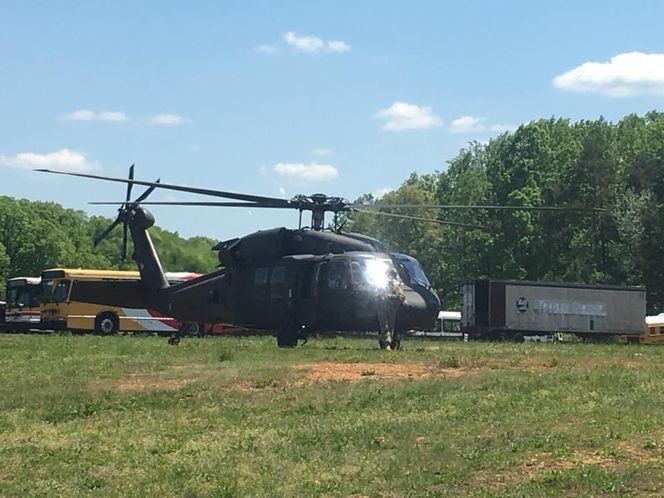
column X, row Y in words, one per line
column 448, row 325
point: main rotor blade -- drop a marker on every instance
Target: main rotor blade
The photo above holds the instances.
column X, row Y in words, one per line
column 428, row 220
column 179, row 188
column 200, row 203
column 465, row 206
column 130, row 185
column 108, row 230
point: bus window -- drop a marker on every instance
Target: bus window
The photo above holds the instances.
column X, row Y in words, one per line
column 278, row 286
column 61, row 291
column 451, row 325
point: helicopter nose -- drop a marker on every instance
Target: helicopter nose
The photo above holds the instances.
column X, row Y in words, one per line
column 419, row 310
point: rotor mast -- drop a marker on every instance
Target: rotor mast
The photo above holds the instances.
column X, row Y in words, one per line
column 319, row 204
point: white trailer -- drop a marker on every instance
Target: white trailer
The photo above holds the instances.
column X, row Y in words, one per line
column 495, row 309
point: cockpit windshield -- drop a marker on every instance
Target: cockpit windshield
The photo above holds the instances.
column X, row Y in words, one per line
column 413, row 269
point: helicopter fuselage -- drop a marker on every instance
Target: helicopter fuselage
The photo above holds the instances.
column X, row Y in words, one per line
column 332, row 292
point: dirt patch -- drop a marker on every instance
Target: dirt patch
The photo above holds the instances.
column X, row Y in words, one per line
column 538, row 465
column 138, row 382
column 329, row 371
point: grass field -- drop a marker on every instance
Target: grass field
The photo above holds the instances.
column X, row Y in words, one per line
column 132, row 416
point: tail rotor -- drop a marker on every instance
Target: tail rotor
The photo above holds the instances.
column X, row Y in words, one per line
column 125, row 213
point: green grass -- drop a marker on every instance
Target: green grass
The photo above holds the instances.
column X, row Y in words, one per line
column 132, row 416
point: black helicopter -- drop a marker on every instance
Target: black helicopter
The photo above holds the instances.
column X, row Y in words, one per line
column 293, row 282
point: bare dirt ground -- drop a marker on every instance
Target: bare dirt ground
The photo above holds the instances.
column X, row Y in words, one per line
column 616, row 456
column 353, row 372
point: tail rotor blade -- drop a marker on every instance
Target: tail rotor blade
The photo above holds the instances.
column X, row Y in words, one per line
column 130, row 185
column 108, row 230
column 145, row 194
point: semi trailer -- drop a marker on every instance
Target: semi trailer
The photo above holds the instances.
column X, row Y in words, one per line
column 514, row 309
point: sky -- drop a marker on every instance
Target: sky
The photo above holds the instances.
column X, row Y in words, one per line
column 282, row 98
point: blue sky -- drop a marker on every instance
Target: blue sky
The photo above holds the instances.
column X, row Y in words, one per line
column 281, row 98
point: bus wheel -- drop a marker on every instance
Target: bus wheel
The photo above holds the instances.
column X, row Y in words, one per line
column 106, row 323
column 191, row 329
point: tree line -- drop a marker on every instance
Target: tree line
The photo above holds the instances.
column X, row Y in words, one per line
column 617, row 167
column 39, row 235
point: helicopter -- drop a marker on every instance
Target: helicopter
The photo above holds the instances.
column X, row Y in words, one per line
column 291, row 282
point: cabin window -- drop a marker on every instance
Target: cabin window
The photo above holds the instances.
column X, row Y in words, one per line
column 260, row 277
column 278, row 286
column 333, row 276
column 260, row 282
column 306, row 281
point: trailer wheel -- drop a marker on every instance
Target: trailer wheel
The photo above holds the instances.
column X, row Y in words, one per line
column 106, row 323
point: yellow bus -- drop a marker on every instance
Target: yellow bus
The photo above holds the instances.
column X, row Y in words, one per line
column 653, row 332
column 78, row 300
column 22, row 311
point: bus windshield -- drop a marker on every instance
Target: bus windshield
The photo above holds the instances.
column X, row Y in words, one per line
column 60, row 292
column 22, row 297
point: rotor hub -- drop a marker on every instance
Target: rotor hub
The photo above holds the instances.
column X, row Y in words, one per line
column 319, row 204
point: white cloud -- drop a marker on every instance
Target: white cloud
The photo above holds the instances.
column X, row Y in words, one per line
column 321, row 152
column 304, row 43
column 337, row 46
column 627, row 74
column 89, row 115
column 404, row 116
column 378, row 194
column 64, row 160
column 267, row 49
column 282, row 190
column 167, row 119
column 467, row 124
column 312, row 172
column 314, row 44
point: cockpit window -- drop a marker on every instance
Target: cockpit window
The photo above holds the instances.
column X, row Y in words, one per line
column 413, row 269
column 372, row 273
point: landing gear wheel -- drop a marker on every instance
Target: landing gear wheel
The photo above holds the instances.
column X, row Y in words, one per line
column 106, row 323
column 287, row 338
